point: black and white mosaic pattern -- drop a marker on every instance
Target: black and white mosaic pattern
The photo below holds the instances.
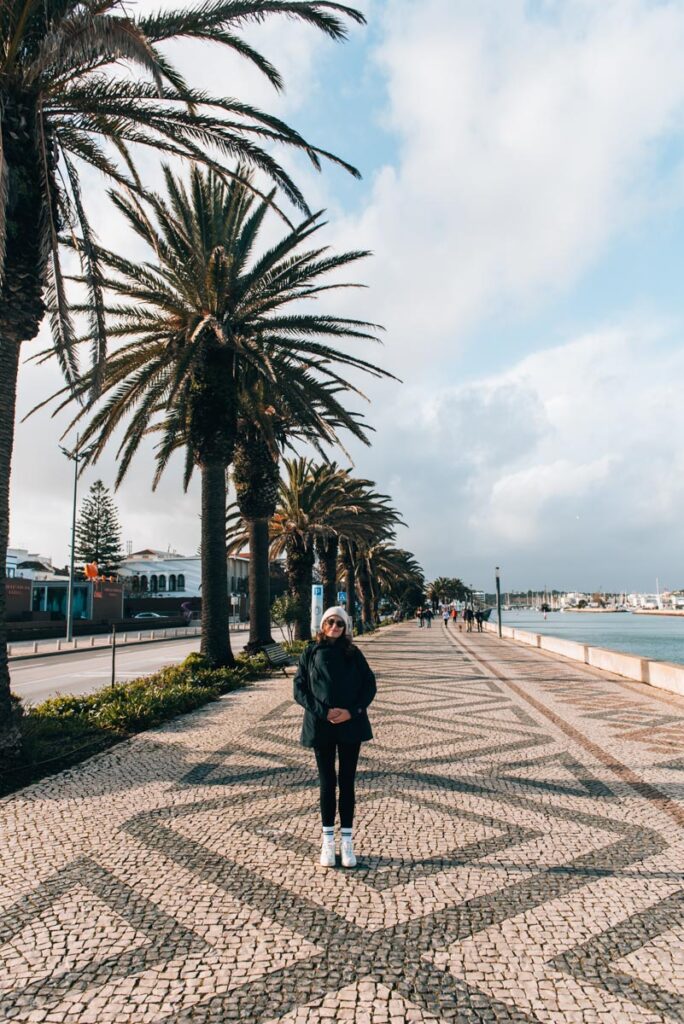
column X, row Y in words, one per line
column 519, row 835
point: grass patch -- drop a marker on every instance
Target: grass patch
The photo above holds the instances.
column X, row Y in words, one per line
column 63, row 731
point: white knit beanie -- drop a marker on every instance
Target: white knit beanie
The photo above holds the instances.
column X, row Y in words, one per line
column 341, row 614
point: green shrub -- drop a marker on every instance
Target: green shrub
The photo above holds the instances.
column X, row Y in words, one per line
column 194, row 661
column 64, row 730
column 295, row 647
column 285, row 611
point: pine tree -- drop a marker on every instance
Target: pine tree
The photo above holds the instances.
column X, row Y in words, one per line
column 98, row 534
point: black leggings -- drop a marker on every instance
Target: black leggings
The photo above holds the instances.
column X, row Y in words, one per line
column 325, row 760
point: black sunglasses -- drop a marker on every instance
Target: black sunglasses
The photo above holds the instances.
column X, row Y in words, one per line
column 334, row 622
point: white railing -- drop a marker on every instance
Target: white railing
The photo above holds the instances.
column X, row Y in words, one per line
column 25, row 648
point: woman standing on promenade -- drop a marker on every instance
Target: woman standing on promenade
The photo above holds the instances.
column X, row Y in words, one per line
column 335, row 685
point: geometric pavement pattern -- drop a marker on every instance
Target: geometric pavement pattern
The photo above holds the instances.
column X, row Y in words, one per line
column 519, row 834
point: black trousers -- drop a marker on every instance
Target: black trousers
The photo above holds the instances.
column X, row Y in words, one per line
column 348, row 754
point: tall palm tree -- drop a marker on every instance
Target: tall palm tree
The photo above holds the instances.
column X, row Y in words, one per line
column 303, row 500
column 64, row 103
column 268, row 424
column 356, row 516
column 344, row 516
column 376, row 526
column 208, row 320
column 446, row 588
column 390, row 571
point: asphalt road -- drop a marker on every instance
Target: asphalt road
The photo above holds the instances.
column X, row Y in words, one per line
column 36, row 680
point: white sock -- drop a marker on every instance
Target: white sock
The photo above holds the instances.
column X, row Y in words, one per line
column 329, row 833
column 346, row 833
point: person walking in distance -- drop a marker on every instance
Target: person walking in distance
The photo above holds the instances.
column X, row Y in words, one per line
column 479, row 619
column 427, row 615
column 335, row 685
column 445, row 616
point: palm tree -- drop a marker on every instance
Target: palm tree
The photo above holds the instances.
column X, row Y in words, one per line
column 303, row 500
column 390, row 571
column 446, row 588
column 267, row 425
column 345, row 517
column 62, row 105
column 376, row 526
column 357, row 516
column 208, row 321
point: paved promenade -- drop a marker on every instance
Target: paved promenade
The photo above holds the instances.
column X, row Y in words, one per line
column 520, row 831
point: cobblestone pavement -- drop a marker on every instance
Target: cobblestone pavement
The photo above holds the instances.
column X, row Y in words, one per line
column 519, row 831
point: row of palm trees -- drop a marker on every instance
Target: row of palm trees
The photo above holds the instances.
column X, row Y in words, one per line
column 320, row 512
column 84, row 83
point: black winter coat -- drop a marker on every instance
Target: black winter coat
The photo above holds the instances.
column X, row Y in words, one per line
column 329, row 678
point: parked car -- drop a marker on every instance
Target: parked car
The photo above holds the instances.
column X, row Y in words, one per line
column 149, row 615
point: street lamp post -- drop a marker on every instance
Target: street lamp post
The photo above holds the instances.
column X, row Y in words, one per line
column 74, row 456
column 498, row 598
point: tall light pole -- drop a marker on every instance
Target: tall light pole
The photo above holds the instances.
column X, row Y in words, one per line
column 498, row 597
column 74, row 456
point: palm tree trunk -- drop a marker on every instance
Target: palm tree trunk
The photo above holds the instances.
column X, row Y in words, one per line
column 215, row 642
column 327, row 550
column 256, row 476
column 300, row 561
column 21, row 313
column 366, row 593
column 10, row 739
column 349, row 579
column 375, row 591
column 259, row 585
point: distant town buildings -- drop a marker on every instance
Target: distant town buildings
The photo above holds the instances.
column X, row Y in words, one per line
column 152, row 573
column 37, row 590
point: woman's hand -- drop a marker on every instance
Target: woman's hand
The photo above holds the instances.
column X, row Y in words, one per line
column 338, row 715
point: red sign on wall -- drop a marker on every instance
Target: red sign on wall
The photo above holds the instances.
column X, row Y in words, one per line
column 17, row 595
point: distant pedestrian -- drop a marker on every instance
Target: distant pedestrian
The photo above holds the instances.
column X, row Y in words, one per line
column 454, row 614
column 468, row 616
column 335, row 685
column 419, row 616
column 427, row 615
column 445, row 616
column 479, row 618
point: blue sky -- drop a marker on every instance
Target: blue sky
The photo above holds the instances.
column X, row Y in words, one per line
column 523, row 194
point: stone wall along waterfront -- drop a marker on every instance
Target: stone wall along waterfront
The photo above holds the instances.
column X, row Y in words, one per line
column 661, row 674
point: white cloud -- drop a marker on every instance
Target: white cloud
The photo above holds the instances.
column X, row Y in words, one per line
column 567, row 463
column 525, row 143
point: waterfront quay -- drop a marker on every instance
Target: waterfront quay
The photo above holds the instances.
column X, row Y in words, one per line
column 519, row 834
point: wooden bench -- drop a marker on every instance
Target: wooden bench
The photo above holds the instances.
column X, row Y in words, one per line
column 278, row 657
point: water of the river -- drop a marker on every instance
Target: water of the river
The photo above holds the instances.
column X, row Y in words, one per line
column 650, row 636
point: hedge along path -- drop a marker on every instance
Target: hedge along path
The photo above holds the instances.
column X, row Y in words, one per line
column 63, row 731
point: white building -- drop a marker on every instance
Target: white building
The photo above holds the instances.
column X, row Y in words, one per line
column 168, row 574
column 29, row 565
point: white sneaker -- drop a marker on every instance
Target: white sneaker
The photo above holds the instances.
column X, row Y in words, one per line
column 328, row 853
column 347, row 852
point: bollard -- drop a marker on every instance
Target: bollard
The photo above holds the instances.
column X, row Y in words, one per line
column 35, row 646
column 92, row 641
column 59, row 645
column 9, row 650
column 113, row 655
